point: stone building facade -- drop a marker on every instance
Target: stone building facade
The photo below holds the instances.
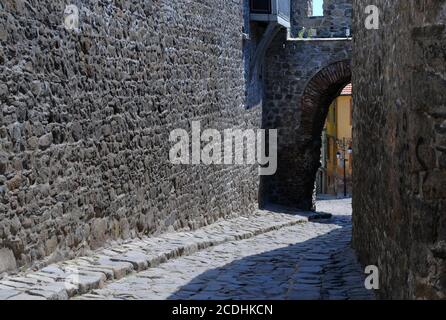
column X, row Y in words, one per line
column 335, row 22
column 400, row 146
column 303, row 76
column 86, row 115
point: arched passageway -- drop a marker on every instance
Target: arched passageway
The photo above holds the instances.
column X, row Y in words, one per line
column 299, row 151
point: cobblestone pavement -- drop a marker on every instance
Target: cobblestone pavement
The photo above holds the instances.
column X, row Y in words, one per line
column 310, row 260
column 268, row 255
column 82, row 275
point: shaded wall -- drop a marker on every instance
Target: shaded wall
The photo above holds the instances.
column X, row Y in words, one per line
column 85, row 121
column 399, row 203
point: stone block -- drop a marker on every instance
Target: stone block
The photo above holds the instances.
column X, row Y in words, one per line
column 7, row 260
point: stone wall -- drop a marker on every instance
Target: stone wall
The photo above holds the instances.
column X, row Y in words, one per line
column 399, row 201
column 86, row 115
column 334, row 23
column 296, row 72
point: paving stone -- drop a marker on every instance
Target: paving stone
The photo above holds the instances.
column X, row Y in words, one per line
column 8, row 293
column 15, row 284
column 120, row 268
column 108, row 272
column 289, row 263
column 53, row 291
column 294, row 260
column 138, row 260
column 25, row 296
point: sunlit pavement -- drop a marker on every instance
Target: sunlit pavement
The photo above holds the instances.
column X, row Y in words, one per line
column 311, row 260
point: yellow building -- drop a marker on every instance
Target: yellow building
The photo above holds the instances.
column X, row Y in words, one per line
column 336, row 144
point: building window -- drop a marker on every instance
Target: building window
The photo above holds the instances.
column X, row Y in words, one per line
column 315, row 8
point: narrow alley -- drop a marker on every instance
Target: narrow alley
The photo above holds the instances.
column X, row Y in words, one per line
column 310, row 260
column 175, row 149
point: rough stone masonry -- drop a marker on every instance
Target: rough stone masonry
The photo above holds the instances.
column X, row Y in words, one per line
column 302, row 77
column 86, row 115
column 399, row 203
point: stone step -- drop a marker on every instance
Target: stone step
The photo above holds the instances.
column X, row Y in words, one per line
column 82, row 275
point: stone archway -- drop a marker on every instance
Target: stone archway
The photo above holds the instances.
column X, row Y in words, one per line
column 299, row 159
column 319, row 93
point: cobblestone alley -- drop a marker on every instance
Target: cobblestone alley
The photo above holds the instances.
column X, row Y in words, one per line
column 311, row 260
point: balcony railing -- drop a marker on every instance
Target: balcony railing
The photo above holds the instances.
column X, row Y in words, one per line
column 271, row 11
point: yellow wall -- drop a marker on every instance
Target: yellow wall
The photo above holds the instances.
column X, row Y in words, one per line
column 330, row 124
column 338, row 126
column 344, row 125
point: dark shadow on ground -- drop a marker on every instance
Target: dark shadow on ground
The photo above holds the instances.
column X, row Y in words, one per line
column 323, row 267
column 310, row 215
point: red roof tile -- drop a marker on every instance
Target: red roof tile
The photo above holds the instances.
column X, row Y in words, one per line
column 347, row 91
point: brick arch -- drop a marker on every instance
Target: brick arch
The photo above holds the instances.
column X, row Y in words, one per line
column 319, row 92
column 299, row 142
column 317, row 97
